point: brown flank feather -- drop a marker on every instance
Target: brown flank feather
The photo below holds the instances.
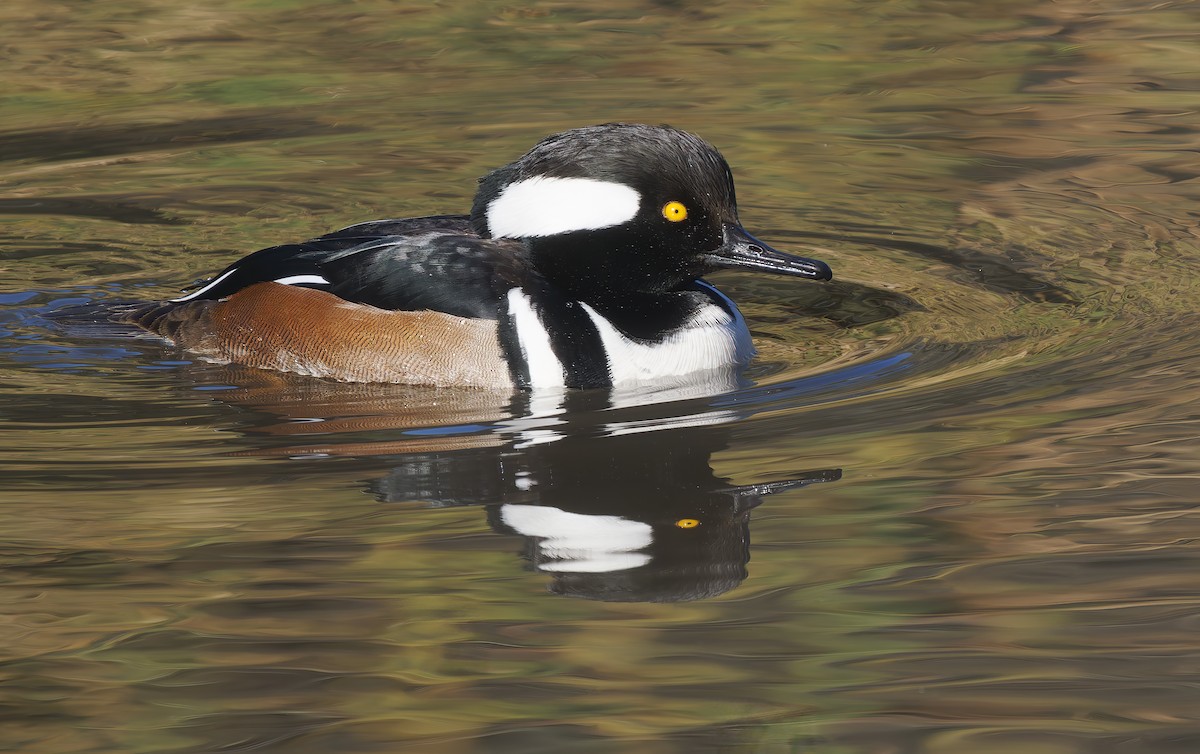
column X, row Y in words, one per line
column 302, row 330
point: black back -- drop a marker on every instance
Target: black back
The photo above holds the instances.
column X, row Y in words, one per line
column 436, row 263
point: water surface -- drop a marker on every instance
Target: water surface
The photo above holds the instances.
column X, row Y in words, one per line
column 951, row 509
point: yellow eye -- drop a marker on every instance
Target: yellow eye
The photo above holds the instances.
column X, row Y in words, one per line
column 675, row 212
column 687, row 523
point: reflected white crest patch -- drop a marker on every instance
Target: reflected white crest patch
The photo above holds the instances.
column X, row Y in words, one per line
column 544, row 206
column 577, row 542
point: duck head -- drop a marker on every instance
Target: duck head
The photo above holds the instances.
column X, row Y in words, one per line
column 626, row 207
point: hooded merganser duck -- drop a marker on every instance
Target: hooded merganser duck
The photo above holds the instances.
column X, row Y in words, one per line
column 579, row 266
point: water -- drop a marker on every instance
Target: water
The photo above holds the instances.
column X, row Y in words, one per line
column 951, row 510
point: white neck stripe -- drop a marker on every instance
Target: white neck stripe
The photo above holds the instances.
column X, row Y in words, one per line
column 545, row 370
column 544, row 206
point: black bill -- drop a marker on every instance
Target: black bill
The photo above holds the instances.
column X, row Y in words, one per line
column 743, row 251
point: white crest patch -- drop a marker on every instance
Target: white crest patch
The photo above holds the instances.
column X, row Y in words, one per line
column 545, row 370
column 576, row 542
column 544, row 206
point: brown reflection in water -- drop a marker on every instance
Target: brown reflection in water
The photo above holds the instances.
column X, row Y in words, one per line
column 615, row 504
column 303, row 407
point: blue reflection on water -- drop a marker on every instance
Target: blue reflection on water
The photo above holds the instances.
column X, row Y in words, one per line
column 868, row 372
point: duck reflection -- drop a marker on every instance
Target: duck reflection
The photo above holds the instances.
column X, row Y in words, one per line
column 618, row 517
column 689, row 548
column 613, row 495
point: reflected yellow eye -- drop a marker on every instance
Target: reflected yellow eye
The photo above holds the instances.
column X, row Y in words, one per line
column 687, row 523
column 675, row 212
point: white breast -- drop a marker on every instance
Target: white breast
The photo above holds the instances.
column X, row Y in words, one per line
column 712, row 339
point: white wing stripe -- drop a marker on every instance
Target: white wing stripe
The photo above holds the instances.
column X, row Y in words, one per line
column 298, row 279
column 200, row 291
